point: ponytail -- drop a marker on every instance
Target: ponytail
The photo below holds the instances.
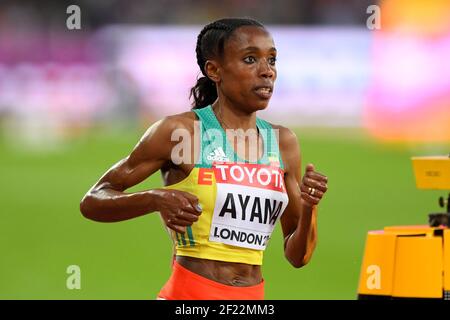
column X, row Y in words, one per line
column 204, row 93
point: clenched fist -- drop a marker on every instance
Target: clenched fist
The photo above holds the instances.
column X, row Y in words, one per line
column 313, row 186
column 178, row 209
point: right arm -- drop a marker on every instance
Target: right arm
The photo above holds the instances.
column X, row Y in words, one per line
column 106, row 201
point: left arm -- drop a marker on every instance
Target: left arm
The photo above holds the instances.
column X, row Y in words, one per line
column 299, row 221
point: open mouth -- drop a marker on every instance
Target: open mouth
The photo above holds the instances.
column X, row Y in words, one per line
column 264, row 92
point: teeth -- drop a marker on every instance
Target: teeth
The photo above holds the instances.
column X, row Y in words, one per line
column 264, row 90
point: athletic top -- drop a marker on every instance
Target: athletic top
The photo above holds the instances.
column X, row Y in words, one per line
column 241, row 201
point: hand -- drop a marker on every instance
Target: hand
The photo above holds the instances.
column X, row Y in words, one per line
column 313, row 186
column 178, row 209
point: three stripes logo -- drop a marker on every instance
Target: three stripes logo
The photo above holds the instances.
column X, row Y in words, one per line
column 218, row 155
column 185, row 239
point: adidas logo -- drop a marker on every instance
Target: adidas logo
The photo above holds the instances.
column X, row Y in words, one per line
column 217, row 155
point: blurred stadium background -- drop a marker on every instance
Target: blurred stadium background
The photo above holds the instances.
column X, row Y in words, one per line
column 73, row 102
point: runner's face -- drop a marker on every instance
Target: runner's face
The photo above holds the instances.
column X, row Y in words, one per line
column 248, row 68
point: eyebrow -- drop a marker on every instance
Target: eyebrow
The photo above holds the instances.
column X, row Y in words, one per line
column 258, row 49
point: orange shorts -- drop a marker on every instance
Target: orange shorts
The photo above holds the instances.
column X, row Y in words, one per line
column 187, row 285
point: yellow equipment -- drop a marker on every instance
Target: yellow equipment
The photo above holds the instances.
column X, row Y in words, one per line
column 412, row 261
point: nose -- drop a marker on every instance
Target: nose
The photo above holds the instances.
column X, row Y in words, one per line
column 266, row 70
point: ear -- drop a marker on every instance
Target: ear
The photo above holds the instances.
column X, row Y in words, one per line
column 212, row 70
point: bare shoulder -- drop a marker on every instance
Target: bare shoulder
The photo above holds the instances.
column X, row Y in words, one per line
column 184, row 120
column 287, row 138
column 157, row 140
column 163, row 128
column 289, row 147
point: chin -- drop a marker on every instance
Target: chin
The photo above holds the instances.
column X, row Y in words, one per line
column 255, row 105
column 260, row 105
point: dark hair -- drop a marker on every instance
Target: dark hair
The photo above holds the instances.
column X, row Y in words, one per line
column 210, row 44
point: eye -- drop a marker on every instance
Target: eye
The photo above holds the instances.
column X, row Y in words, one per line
column 249, row 59
column 272, row 60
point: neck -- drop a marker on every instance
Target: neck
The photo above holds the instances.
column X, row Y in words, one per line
column 234, row 118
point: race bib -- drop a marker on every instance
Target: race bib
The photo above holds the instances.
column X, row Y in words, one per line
column 250, row 199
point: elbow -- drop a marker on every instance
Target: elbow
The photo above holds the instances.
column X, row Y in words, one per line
column 299, row 260
column 298, row 266
column 86, row 208
column 298, row 263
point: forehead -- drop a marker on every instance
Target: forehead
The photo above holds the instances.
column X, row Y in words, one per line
column 249, row 36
